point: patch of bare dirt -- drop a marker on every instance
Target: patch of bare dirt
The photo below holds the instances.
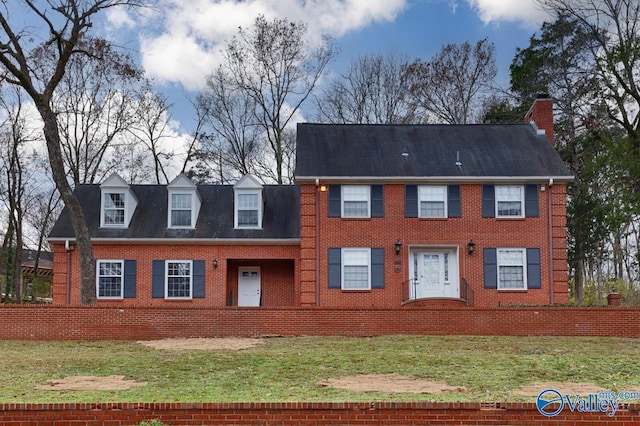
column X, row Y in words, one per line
column 228, row 343
column 83, row 383
column 394, row 383
column 564, row 388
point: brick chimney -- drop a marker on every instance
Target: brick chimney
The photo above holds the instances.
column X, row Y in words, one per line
column 541, row 114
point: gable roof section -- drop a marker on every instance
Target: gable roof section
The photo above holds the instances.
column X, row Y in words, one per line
column 281, row 215
column 406, row 152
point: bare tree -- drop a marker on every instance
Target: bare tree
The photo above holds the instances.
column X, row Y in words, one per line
column 450, row 85
column 150, row 127
column 277, row 67
column 234, row 136
column 64, row 23
column 93, row 103
column 373, row 91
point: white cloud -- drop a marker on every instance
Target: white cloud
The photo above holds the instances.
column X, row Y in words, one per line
column 527, row 12
column 192, row 34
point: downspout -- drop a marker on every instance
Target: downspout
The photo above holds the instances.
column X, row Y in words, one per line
column 317, row 231
column 550, row 219
column 67, row 247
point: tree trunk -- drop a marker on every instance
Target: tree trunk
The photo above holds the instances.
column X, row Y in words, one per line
column 81, row 231
column 579, row 274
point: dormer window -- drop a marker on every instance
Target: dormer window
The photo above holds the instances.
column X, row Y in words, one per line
column 181, row 210
column 248, row 203
column 117, row 203
column 184, row 203
column 114, row 203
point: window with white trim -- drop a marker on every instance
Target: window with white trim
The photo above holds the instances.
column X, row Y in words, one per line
column 110, row 279
column 114, row 209
column 509, row 201
column 512, row 268
column 247, row 209
column 179, row 279
column 356, row 201
column 432, row 201
column 356, row 269
column 181, row 210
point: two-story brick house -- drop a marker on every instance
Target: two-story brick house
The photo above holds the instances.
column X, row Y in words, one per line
column 381, row 216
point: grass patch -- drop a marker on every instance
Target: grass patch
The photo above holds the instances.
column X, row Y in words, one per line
column 288, row 369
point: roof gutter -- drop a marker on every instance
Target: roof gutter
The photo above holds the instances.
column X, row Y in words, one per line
column 188, row 241
column 410, row 179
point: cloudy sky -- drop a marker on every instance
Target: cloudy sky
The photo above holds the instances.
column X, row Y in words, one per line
column 179, row 42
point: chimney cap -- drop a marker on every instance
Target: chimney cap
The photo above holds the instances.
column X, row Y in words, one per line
column 543, row 96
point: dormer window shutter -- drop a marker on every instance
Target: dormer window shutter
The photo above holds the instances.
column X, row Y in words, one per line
column 453, row 201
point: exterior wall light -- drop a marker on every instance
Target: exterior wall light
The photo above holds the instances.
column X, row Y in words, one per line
column 215, row 263
column 471, row 247
column 398, row 246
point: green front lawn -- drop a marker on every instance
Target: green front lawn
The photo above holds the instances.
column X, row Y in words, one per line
column 289, row 369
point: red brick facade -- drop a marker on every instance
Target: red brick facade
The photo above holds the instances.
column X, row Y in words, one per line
column 295, row 272
column 453, row 233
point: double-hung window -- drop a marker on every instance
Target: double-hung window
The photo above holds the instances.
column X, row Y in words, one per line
column 113, row 209
column 356, row 269
column 110, row 279
column 509, row 201
column 356, row 201
column 433, row 201
column 178, row 284
column 181, row 206
column 511, row 264
column 248, row 210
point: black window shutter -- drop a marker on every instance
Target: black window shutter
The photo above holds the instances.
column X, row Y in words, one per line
column 410, row 201
column 488, row 201
column 534, row 274
column 335, row 207
column 377, row 201
column 157, row 278
column 335, row 268
column 377, row 268
column 198, row 279
column 531, row 201
column 129, row 278
column 490, row 268
column 453, row 201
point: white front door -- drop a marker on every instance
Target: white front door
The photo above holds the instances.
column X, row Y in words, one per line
column 434, row 274
column 249, row 286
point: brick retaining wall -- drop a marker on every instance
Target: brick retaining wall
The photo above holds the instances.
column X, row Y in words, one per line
column 32, row 322
column 302, row 413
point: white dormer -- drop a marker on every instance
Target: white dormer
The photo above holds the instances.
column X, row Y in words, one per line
column 184, row 203
column 117, row 202
column 247, row 201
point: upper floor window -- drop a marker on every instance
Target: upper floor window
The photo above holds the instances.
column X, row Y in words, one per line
column 433, row 201
column 355, row 200
column 117, row 202
column 184, row 203
column 181, row 210
column 114, row 209
column 509, row 201
column 248, row 203
column 248, row 210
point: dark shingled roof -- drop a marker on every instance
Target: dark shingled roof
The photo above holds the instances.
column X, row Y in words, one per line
column 485, row 150
column 281, row 214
